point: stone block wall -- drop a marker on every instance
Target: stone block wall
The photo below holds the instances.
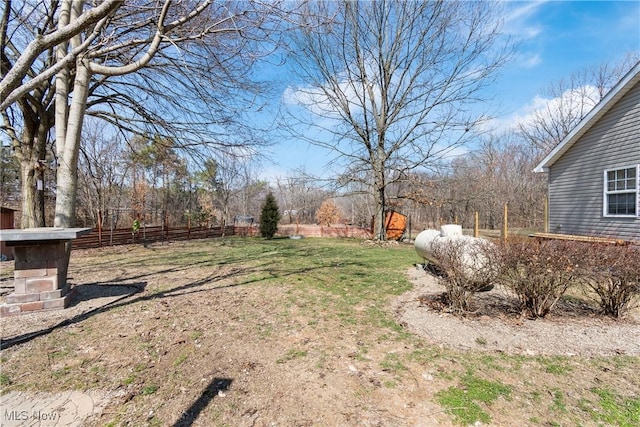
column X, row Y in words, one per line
column 39, row 278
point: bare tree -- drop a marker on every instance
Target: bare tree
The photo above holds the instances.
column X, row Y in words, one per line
column 299, row 196
column 248, row 201
column 172, row 57
column 356, row 201
column 499, row 171
column 389, row 85
column 566, row 102
column 102, row 172
column 220, row 181
column 29, row 120
column 13, row 85
column 131, row 53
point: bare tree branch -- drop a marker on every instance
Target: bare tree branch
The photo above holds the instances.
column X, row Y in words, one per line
column 389, row 86
column 13, row 77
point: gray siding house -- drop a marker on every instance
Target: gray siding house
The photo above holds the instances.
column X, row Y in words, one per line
column 594, row 172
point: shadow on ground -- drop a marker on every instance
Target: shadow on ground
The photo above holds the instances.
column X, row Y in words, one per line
column 83, row 293
column 189, row 416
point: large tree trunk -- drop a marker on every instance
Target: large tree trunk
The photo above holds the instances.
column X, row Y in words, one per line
column 378, row 225
column 379, row 232
column 30, row 151
column 67, row 174
column 32, row 205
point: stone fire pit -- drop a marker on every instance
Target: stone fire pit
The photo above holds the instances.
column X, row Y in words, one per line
column 40, row 276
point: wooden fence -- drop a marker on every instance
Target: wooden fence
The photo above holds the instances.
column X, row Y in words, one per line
column 313, row 230
column 124, row 236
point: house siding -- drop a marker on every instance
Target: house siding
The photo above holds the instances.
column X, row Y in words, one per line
column 576, row 179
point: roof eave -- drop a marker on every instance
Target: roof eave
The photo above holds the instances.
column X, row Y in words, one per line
column 541, row 169
column 610, row 99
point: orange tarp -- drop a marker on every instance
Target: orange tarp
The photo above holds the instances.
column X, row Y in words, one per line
column 395, row 224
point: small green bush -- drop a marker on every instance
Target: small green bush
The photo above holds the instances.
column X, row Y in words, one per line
column 269, row 217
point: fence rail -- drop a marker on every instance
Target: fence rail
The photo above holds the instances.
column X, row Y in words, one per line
column 123, row 236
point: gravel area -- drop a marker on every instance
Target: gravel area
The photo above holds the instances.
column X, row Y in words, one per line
column 570, row 331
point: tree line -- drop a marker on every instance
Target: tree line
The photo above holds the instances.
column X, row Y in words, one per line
column 149, row 179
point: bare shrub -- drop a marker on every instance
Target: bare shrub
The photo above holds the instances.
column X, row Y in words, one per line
column 538, row 272
column 466, row 269
column 613, row 274
column 328, row 213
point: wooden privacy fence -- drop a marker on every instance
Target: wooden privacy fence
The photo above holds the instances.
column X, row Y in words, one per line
column 313, row 230
column 124, row 236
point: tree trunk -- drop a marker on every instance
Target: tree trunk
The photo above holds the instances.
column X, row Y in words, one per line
column 30, row 150
column 67, row 174
column 29, row 215
column 378, row 225
column 379, row 183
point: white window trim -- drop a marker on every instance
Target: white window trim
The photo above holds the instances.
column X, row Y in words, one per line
column 605, row 192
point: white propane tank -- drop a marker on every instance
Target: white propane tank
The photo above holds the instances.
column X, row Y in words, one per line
column 477, row 267
column 423, row 243
column 449, row 230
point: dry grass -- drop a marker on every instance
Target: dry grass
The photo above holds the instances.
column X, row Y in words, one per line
column 247, row 332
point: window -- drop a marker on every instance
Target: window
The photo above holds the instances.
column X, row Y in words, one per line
column 621, row 191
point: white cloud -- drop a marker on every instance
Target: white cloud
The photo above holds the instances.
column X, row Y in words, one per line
column 523, row 10
column 346, row 89
column 517, row 19
column 572, row 103
column 528, row 60
column 521, row 26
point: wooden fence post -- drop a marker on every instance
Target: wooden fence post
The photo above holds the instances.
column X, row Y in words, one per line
column 546, row 214
column 111, row 231
column 166, row 224
column 505, row 223
column 100, row 227
column 476, row 226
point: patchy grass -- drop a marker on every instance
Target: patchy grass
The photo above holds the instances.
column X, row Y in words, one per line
column 292, row 354
column 556, row 365
column 464, row 400
column 299, row 332
column 5, row 380
column 149, row 389
column 614, row 409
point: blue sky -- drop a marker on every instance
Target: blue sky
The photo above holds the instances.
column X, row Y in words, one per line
column 558, row 38
column 555, row 39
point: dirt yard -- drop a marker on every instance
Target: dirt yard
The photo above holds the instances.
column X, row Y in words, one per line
column 235, row 343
